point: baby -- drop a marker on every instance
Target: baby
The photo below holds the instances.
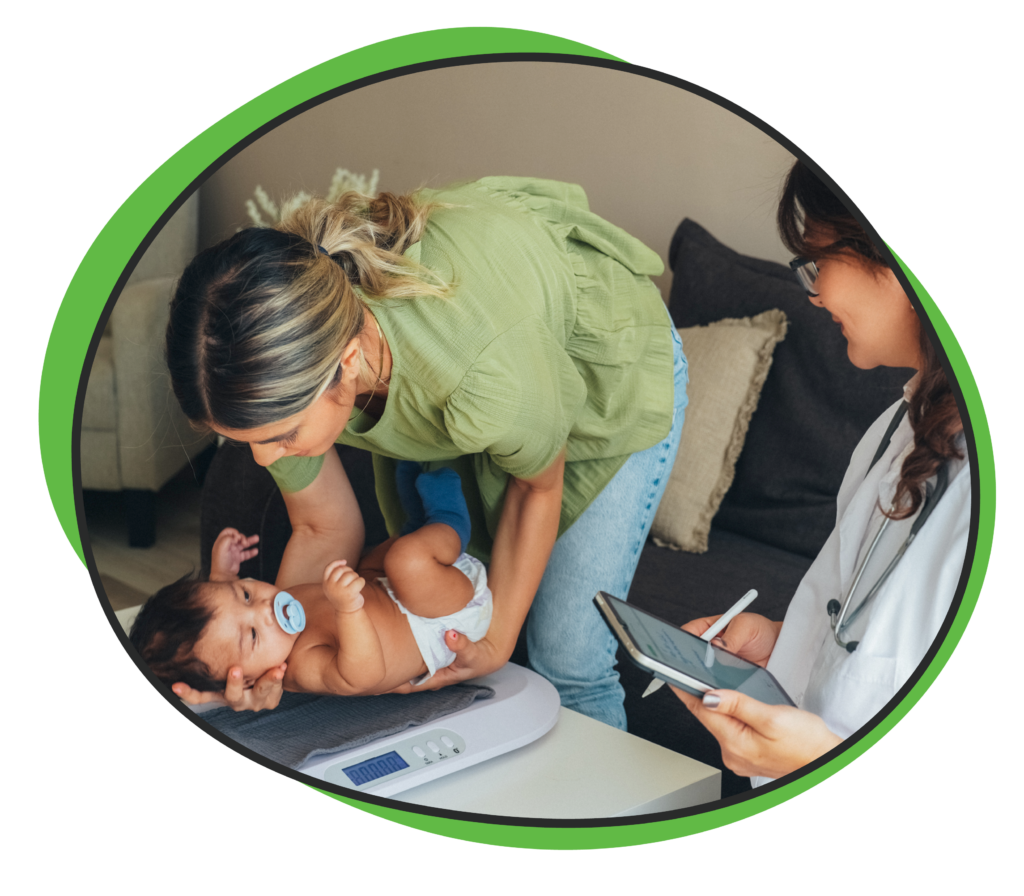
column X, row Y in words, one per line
column 358, row 631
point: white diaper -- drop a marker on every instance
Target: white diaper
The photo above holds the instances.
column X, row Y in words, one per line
column 472, row 620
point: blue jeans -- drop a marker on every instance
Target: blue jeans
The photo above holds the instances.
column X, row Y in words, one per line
column 568, row 640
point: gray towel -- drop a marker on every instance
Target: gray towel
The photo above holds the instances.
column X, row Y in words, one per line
column 307, row 725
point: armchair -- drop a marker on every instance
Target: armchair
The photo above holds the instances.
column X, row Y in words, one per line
column 134, row 435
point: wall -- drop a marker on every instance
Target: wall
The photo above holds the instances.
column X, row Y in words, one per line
column 647, row 153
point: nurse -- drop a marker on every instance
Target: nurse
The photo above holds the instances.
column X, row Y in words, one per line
column 856, row 629
column 497, row 327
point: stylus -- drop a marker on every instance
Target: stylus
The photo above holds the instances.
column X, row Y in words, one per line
column 712, row 632
column 730, row 614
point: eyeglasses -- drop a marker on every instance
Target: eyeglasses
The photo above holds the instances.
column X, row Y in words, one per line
column 806, row 272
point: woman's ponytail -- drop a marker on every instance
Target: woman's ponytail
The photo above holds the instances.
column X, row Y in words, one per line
column 258, row 322
column 368, row 236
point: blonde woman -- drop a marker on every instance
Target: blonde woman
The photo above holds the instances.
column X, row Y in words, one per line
column 497, row 327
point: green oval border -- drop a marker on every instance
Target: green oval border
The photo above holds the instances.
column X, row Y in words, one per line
column 124, row 238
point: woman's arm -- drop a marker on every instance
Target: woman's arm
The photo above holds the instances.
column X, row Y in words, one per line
column 526, row 535
column 523, row 543
column 326, row 524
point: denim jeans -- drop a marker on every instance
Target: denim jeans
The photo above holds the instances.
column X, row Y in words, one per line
column 568, row 640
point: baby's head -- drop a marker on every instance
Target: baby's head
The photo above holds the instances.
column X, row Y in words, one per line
column 194, row 631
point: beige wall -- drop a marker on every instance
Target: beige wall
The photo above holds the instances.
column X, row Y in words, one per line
column 647, row 153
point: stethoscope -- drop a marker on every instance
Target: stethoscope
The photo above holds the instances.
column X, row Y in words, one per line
column 932, row 495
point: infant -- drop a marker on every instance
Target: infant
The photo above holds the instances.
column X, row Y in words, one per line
column 358, row 631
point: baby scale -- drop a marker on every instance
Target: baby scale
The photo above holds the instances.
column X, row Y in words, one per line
column 524, row 707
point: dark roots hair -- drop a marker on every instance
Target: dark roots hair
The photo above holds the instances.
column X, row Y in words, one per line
column 167, row 629
column 807, row 205
column 258, row 322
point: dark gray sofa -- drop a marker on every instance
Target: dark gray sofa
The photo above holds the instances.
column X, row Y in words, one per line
column 780, row 509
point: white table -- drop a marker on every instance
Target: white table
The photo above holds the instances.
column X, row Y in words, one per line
column 579, row 769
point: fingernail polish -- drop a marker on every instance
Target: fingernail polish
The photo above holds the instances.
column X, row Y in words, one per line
column 711, row 700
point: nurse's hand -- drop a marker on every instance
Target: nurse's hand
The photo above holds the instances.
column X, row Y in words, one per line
column 758, row 739
column 264, row 694
column 749, row 635
column 472, row 660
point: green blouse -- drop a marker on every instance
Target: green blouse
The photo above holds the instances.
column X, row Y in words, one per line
column 555, row 336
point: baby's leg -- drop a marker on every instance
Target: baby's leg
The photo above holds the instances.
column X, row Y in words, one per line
column 419, row 568
column 419, row 564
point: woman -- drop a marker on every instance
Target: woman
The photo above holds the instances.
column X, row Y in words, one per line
column 497, row 327
column 849, row 642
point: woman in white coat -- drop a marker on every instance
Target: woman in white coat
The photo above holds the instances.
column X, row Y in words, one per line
column 849, row 642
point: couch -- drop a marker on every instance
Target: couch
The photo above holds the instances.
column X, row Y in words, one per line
column 814, row 406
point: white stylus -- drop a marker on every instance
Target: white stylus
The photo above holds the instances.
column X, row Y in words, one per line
column 713, row 632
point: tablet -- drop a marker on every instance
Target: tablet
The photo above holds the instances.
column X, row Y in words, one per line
column 682, row 659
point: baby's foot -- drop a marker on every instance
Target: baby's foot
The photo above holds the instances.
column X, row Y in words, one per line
column 443, row 501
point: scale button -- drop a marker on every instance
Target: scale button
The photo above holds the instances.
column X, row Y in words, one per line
column 448, row 742
column 419, row 752
column 433, row 746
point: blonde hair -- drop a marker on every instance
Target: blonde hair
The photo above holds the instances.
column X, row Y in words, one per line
column 258, row 322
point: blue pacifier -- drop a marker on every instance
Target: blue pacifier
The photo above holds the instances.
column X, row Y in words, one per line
column 290, row 615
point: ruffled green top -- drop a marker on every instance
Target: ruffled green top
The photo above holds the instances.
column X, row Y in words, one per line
column 555, row 336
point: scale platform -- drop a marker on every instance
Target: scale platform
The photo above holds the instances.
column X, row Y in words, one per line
column 577, row 768
column 524, row 707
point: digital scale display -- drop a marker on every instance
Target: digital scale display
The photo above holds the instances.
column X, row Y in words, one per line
column 524, row 707
column 371, row 769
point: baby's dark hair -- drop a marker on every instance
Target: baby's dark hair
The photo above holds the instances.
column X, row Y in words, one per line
column 167, row 630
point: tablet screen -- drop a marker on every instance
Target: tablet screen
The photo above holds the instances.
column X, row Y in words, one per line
column 698, row 658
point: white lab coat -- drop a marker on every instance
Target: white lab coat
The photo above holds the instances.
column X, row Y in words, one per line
column 899, row 626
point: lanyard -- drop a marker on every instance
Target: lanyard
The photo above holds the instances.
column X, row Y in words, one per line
column 932, row 496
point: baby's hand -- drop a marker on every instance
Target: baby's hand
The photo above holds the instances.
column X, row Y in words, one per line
column 343, row 587
column 229, row 551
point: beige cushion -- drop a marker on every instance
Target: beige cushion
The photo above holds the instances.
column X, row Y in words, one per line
column 728, row 363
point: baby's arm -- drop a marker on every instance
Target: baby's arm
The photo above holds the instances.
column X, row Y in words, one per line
column 230, row 550
column 358, row 664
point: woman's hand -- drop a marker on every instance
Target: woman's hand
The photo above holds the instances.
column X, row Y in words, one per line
column 758, row 739
column 264, row 694
column 749, row 635
column 472, row 660
column 230, row 550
